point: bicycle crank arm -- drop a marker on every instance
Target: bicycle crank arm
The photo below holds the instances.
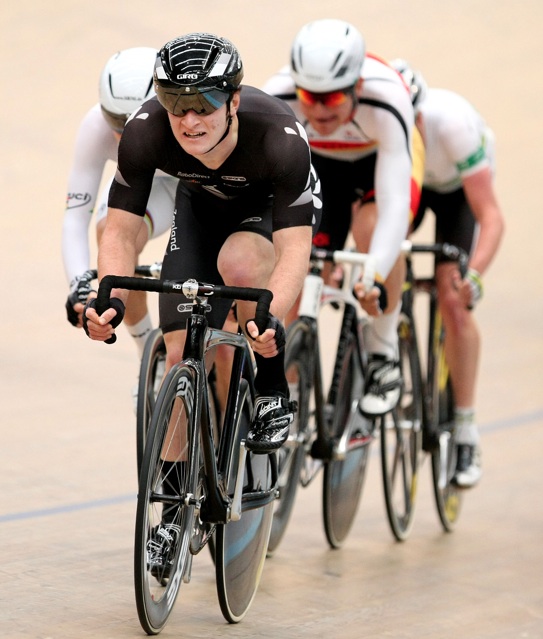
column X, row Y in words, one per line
column 444, row 444
column 187, row 571
column 235, row 508
column 355, row 424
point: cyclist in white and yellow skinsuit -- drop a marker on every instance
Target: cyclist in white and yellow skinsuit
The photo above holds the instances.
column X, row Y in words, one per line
column 125, row 83
column 360, row 123
column 458, row 187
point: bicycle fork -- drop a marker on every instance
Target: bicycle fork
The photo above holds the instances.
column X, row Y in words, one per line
column 235, row 507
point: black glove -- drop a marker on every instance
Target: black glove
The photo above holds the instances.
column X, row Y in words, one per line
column 71, row 314
column 114, row 302
column 383, row 295
column 277, row 326
column 80, row 293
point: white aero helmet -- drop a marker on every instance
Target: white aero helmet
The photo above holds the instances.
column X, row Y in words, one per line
column 415, row 82
column 126, row 82
column 327, row 55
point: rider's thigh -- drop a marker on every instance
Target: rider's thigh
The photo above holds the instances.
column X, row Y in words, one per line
column 246, row 259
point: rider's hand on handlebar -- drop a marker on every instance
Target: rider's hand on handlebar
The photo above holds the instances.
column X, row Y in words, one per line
column 81, row 290
column 373, row 302
column 470, row 289
column 271, row 341
column 102, row 327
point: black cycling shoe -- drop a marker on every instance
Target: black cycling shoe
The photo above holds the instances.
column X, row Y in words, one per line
column 272, row 418
column 161, row 550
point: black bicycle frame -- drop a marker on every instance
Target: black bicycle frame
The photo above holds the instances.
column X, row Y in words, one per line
column 216, row 505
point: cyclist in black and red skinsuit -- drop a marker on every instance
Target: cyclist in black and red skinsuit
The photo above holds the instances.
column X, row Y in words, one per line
column 245, row 207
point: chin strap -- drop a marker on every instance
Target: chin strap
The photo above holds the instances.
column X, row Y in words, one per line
column 354, row 96
column 228, row 125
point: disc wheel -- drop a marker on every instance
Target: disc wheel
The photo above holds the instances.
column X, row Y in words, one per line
column 343, row 478
column 241, row 546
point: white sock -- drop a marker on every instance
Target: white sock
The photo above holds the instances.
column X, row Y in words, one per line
column 466, row 429
column 382, row 336
column 140, row 331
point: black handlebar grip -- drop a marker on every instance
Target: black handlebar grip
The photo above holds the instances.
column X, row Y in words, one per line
column 263, row 309
column 104, row 302
column 104, row 293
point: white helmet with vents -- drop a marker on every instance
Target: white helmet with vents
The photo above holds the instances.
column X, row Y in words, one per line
column 327, row 55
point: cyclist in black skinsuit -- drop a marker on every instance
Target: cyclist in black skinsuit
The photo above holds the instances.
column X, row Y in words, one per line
column 245, row 206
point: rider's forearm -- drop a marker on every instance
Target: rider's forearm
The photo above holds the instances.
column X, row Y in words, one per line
column 75, row 244
column 487, row 246
column 389, row 233
column 481, row 196
column 292, row 248
column 117, row 252
column 393, row 201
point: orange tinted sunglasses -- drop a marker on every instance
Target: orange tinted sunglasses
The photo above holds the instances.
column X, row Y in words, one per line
column 332, row 99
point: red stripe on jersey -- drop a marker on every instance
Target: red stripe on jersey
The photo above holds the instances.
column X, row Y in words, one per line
column 340, row 145
column 415, row 199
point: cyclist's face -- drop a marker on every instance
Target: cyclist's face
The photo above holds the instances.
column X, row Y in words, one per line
column 197, row 133
column 324, row 115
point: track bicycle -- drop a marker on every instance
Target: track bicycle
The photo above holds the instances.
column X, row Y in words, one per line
column 439, row 435
column 401, row 429
column 205, row 488
column 329, row 431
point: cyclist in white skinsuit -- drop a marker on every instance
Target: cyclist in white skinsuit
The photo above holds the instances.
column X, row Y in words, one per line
column 458, row 187
column 360, row 123
column 125, row 83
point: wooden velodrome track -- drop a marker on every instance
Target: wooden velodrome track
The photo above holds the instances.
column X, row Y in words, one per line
column 67, row 452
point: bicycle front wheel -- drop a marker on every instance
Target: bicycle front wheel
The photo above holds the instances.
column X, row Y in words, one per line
column 290, row 457
column 401, row 439
column 152, row 367
column 169, row 490
column 241, row 546
column 344, row 476
column 448, row 496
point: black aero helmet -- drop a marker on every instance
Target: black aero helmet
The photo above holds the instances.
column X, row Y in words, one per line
column 198, row 71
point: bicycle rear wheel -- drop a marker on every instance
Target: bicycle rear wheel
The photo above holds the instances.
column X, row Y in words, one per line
column 448, row 496
column 401, row 438
column 344, row 477
column 290, row 457
column 167, row 493
column 152, row 368
column 241, row 546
